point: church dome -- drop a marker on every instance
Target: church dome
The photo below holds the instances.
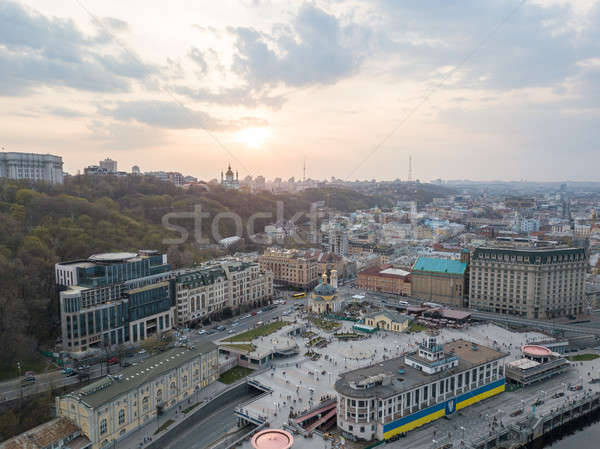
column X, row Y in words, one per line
column 324, row 290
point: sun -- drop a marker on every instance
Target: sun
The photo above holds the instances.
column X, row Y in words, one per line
column 253, row 137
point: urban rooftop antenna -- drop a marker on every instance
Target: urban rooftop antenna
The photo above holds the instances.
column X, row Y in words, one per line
column 409, row 168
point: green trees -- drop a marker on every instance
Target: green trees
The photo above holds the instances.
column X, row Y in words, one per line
column 42, row 224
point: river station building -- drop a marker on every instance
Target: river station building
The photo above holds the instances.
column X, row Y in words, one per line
column 401, row 394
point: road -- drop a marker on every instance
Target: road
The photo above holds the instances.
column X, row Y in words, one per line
column 13, row 389
column 207, row 430
column 383, row 299
column 10, row 390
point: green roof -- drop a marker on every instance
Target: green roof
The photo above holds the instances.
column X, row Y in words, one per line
column 440, row 265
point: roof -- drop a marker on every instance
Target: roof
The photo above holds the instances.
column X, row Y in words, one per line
column 434, row 265
column 523, row 364
column 111, row 257
column 386, row 271
column 394, row 316
column 324, row 290
column 395, row 272
column 108, row 388
column 43, row 436
column 468, row 358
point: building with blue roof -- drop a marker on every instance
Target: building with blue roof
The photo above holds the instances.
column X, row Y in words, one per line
column 440, row 280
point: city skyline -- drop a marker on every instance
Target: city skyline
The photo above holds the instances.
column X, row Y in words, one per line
column 501, row 90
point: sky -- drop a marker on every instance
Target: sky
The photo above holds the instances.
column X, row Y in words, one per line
column 471, row 89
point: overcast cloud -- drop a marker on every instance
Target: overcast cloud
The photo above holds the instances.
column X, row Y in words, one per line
column 518, row 76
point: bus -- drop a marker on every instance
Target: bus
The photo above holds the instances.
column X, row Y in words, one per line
column 299, row 295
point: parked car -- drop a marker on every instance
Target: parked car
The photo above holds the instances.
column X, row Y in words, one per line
column 202, row 332
column 254, row 313
column 69, row 372
column 143, row 351
column 230, row 331
column 113, row 361
column 220, row 328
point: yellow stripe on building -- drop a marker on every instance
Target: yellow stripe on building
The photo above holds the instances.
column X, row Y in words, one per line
column 480, row 397
column 414, row 424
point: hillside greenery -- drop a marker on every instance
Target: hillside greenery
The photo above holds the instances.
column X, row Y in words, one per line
column 43, row 224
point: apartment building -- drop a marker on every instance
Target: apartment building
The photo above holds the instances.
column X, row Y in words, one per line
column 529, row 282
column 212, row 287
column 114, row 298
column 31, row 166
column 107, row 410
column 291, row 268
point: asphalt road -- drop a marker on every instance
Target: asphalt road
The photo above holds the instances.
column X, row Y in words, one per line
column 209, row 429
column 10, row 390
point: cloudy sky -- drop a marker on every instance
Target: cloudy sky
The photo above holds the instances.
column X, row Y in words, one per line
column 494, row 89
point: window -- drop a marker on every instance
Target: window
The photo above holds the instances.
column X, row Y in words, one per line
column 121, row 416
column 159, row 396
column 145, row 404
column 103, row 427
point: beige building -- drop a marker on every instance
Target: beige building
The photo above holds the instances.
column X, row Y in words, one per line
column 389, row 321
column 440, row 280
column 212, row 287
column 533, row 283
column 114, row 406
column 291, row 268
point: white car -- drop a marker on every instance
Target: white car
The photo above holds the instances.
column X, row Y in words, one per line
column 201, row 332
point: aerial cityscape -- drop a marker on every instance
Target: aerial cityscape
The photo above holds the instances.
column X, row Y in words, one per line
column 262, row 224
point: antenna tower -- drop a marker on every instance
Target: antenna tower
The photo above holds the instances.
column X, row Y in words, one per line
column 304, row 170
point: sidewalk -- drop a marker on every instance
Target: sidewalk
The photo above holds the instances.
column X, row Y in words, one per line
column 136, row 439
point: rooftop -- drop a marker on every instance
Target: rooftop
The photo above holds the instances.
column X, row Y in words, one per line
column 385, row 271
column 111, row 257
column 104, row 390
column 401, row 377
column 434, row 265
column 45, row 435
column 394, row 316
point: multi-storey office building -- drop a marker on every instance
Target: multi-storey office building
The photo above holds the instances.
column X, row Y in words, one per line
column 114, row 298
column 529, row 282
column 291, row 268
column 401, row 394
column 212, row 287
column 114, row 406
column 32, row 166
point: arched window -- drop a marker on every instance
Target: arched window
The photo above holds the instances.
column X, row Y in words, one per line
column 103, row 427
column 121, row 416
column 159, row 396
column 173, row 388
column 145, row 404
